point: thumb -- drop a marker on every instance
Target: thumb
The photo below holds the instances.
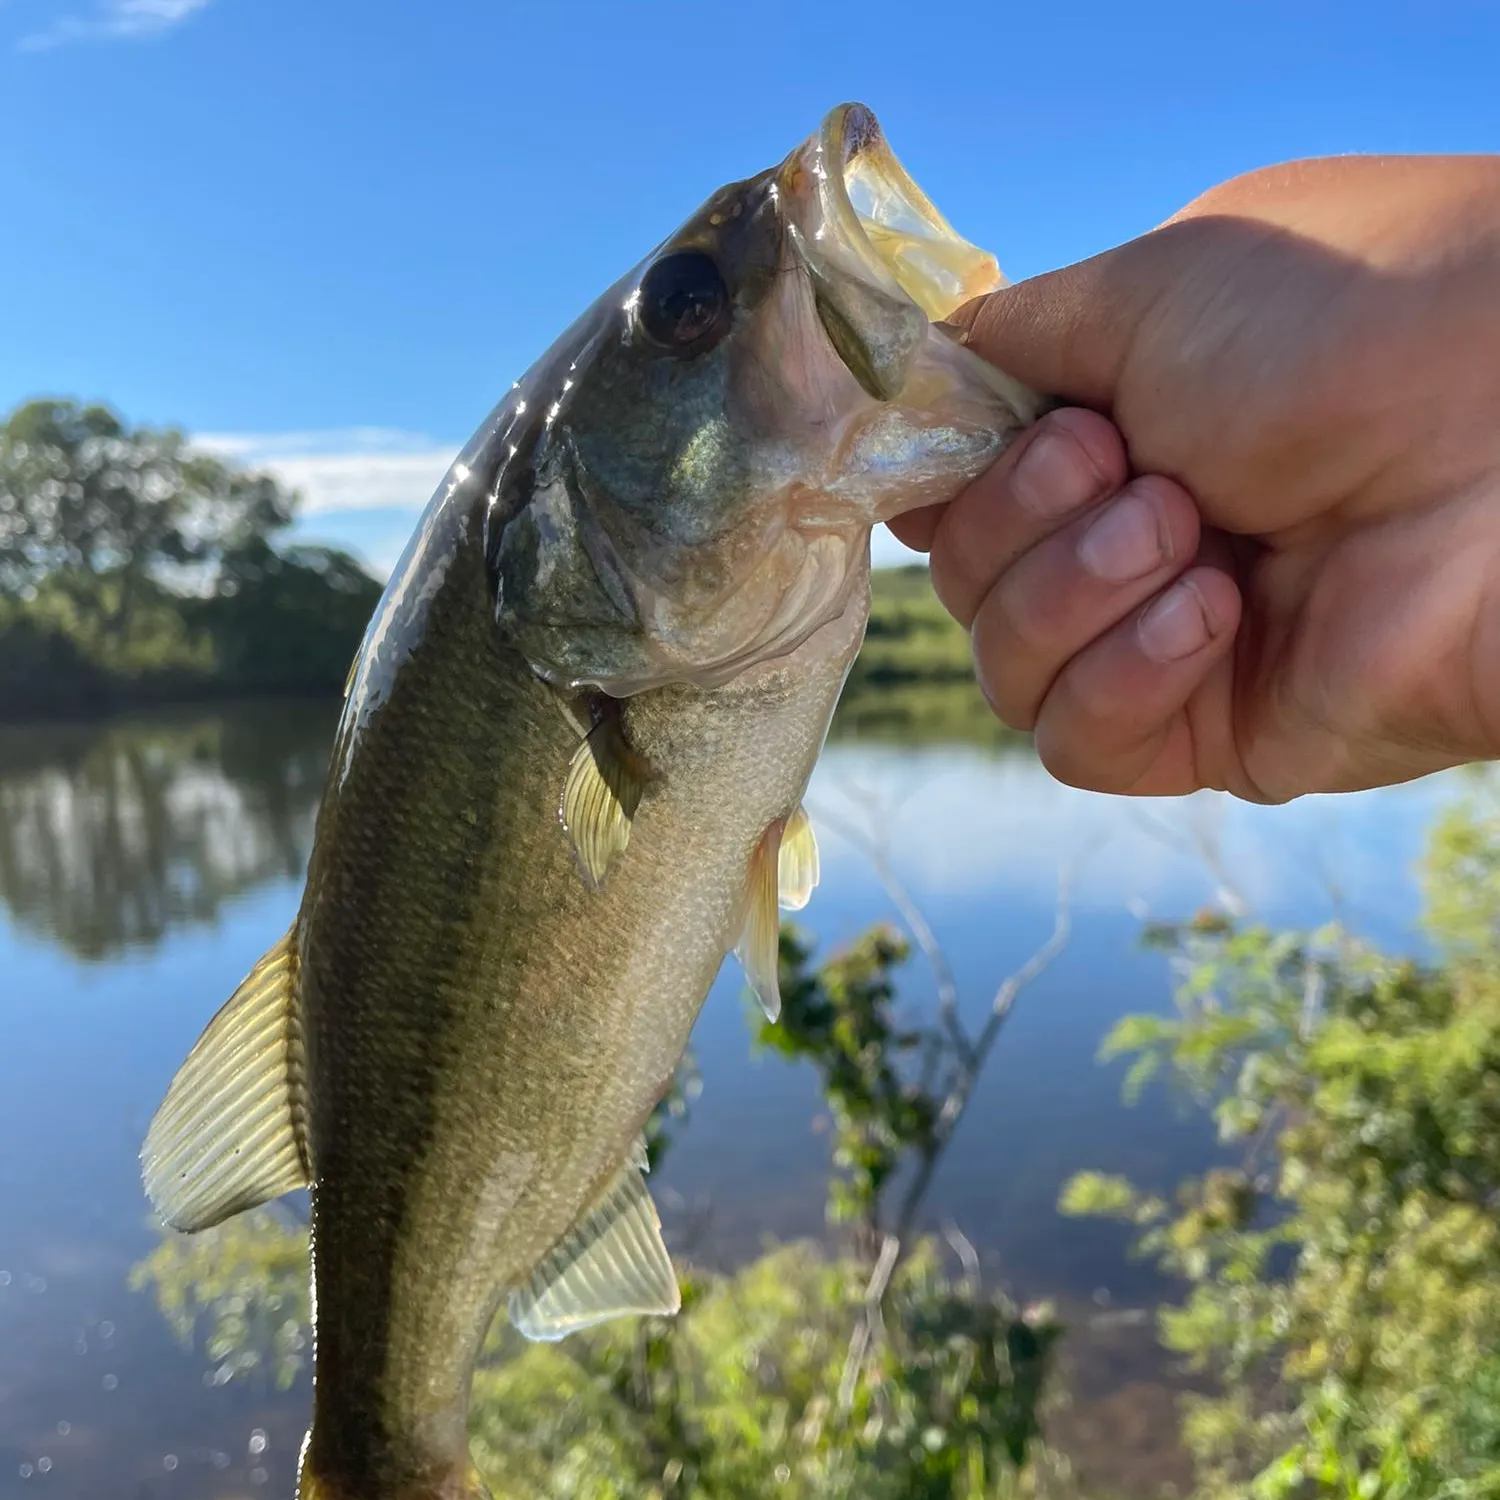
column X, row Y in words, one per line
column 1068, row 334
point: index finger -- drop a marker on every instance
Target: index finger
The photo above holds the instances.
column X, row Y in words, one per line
column 1067, row 463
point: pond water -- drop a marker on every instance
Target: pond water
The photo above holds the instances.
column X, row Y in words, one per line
column 145, row 865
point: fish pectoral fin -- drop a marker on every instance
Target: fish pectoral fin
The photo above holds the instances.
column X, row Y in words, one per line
column 797, row 862
column 759, row 947
column 231, row 1132
column 605, row 781
column 612, row 1263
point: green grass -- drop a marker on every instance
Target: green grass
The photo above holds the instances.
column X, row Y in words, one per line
column 914, row 678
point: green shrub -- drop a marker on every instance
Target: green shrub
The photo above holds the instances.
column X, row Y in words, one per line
column 1344, row 1277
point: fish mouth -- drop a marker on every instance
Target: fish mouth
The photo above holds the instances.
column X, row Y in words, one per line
column 884, row 264
column 879, row 211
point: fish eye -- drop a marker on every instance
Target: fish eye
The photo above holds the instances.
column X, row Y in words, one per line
column 684, row 304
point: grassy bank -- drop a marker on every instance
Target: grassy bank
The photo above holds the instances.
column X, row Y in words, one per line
column 136, row 570
column 914, row 679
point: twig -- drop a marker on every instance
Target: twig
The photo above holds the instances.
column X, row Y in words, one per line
column 972, row 1063
column 871, row 1325
column 968, row 1257
column 1203, row 843
column 916, row 923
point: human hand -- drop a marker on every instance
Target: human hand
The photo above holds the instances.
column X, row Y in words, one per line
column 1299, row 589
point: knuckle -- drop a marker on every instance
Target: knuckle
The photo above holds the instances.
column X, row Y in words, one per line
column 1007, row 704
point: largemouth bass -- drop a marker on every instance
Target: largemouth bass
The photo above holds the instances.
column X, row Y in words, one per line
column 568, row 780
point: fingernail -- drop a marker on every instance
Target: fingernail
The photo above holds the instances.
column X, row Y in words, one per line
column 1126, row 541
column 1054, row 475
column 1176, row 625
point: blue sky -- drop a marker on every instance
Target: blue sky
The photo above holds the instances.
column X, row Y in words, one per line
column 327, row 234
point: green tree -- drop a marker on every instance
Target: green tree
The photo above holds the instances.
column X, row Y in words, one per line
column 135, row 568
column 83, row 493
column 1344, row 1274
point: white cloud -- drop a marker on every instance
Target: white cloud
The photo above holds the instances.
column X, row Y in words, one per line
column 362, row 488
column 357, row 468
column 115, row 18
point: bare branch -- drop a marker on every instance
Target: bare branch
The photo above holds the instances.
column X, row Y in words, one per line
column 1010, row 990
column 870, row 1328
column 874, row 849
column 967, row 1056
column 963, row 1247
column 970, row 1066
column 1202, row 841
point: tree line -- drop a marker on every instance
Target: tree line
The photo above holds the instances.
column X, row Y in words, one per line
column 135, row 569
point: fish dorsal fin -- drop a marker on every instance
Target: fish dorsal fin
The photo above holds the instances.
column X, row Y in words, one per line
column 231, row 1132
column 603, row 789
column 610, row 1264
column 759, row 947
column 797, row 862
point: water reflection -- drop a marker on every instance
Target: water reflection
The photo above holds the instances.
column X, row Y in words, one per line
column 157, row 859
column 110, row 836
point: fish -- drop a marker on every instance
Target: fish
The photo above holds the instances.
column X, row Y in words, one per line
column 568, row 781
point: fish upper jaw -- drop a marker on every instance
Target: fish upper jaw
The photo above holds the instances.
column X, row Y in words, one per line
column 883, row 262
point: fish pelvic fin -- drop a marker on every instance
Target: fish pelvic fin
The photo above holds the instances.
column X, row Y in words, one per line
column 782, row 873
column 797, row 866
column 232, row 1131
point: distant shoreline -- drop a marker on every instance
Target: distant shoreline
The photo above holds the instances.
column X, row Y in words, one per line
column 913, row 679
column 207, row 695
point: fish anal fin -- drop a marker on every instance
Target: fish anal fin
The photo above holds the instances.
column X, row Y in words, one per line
column 610, row 1264
column 231, row 1132
column 606, row 779
column 759, row 946
column 797, row 866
